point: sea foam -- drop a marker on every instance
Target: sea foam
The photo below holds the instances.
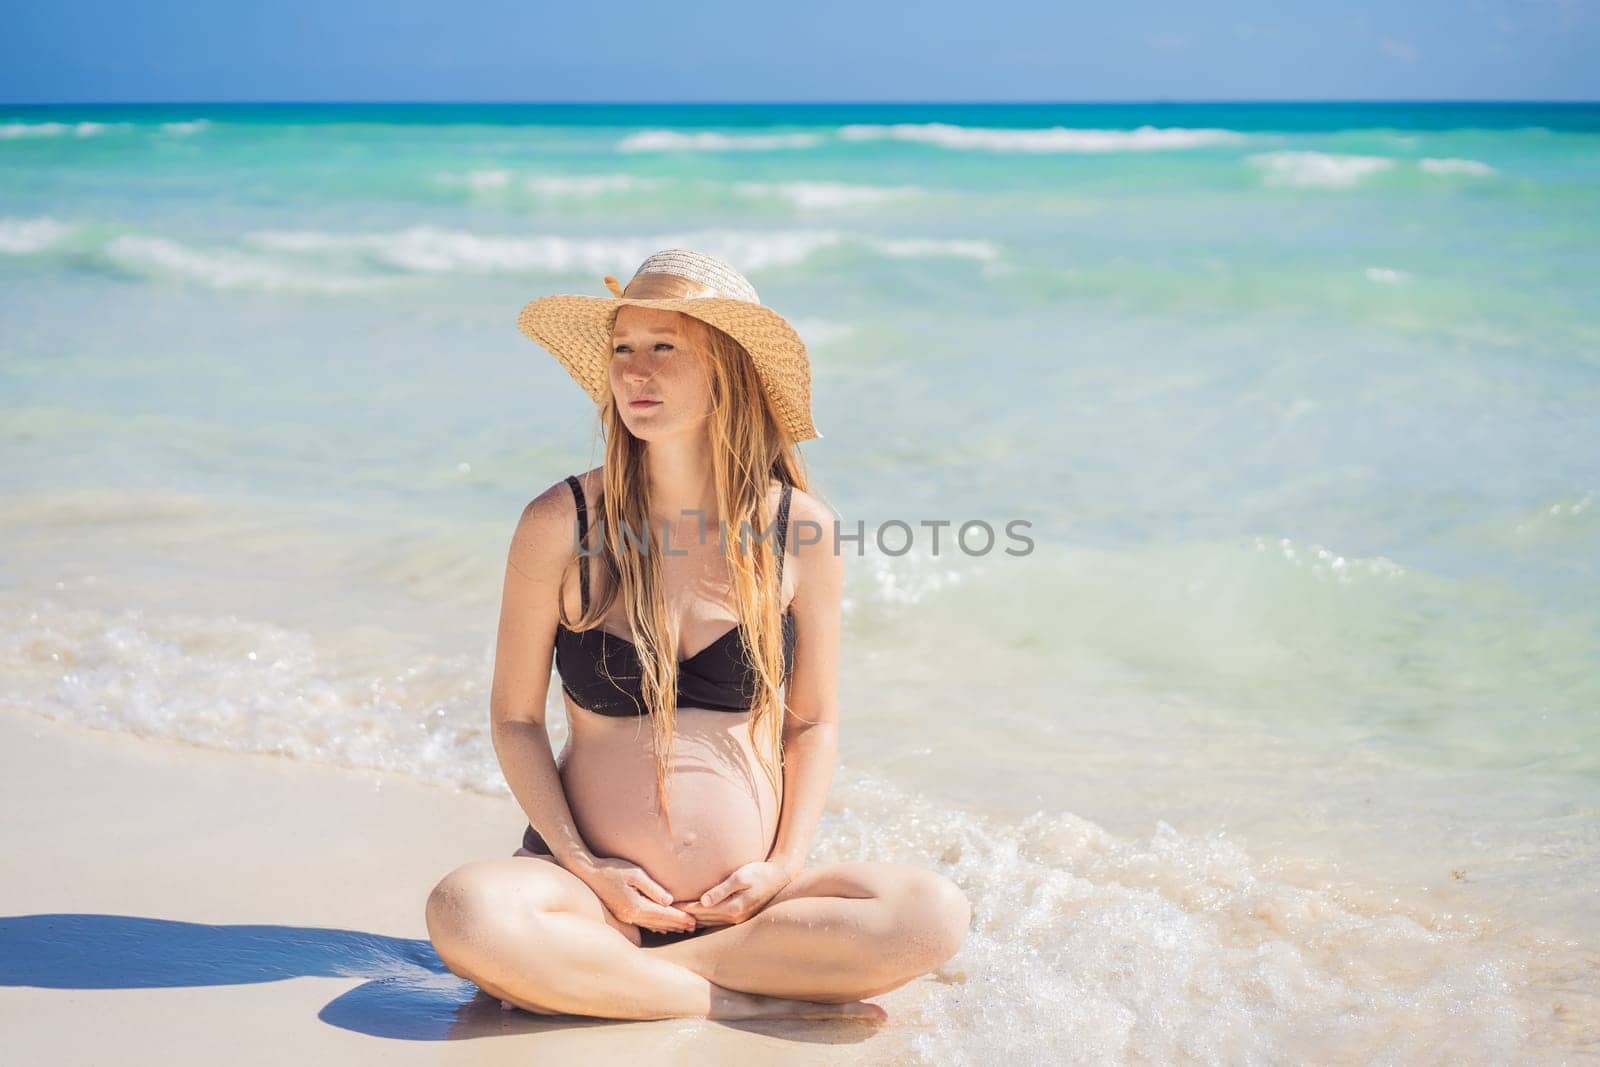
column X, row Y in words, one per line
column 1055, row 139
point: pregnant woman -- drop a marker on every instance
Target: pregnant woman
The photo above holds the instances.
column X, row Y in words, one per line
column 696, row 634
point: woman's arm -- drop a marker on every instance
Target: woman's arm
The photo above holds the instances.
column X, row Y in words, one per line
column 811, row 723
column 540, row 548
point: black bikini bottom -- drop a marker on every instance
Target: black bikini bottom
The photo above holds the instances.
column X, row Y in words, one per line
column 648, row 938
column 534, row 843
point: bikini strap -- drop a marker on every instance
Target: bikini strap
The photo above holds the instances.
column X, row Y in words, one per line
column 783, row 529
column 583, row 539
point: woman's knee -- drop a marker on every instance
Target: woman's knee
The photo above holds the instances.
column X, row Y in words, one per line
column 451, row 912
column 920, row 919
column 932, row 916
column 468, row 909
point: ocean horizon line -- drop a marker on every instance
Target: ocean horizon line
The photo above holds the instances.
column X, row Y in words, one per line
column 1083, row 102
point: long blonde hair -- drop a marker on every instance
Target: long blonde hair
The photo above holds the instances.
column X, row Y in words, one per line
column 748, row 449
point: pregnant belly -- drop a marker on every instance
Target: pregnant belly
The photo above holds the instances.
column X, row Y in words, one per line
column 724, row 811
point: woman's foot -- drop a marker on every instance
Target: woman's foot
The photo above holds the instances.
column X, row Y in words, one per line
column 747, row 1006
column 730, row 1004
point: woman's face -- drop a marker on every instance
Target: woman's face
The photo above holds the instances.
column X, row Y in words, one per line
column 658, row 378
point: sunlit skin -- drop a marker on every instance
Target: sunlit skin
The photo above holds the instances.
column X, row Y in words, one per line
column 775, row 938
column 651, row 358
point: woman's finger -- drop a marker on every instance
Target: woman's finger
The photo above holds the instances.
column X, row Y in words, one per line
column 714, row 896
column 664, row 918
column 651, row 888
column 728, row 910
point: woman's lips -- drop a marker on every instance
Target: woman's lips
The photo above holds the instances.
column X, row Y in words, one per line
column 643, row 403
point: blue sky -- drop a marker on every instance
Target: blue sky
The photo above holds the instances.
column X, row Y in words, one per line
column 157, row 50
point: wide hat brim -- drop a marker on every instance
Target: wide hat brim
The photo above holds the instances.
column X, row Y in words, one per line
column 576, row 330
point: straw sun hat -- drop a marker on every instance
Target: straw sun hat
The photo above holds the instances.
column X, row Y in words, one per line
column 577, row 329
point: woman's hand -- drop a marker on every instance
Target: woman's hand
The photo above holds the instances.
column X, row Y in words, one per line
column 740, row 895
column 633, row 896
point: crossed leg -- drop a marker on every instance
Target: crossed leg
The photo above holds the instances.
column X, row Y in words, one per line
column 832, row 936
column 835, row 934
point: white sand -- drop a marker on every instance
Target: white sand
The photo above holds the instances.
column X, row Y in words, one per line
column 167, row 903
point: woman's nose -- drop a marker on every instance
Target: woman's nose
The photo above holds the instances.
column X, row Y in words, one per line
column 640, row 368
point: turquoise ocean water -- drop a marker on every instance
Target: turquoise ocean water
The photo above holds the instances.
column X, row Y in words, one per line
column 1285, row 736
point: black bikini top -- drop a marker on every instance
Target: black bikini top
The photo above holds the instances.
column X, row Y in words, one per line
column 600, row 671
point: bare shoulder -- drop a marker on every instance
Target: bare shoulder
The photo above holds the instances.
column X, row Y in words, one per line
column 593, row 481
column 811, row 528
column 546, row 531
column 805, row 507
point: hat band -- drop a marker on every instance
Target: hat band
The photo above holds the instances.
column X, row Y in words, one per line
column 655, row 285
